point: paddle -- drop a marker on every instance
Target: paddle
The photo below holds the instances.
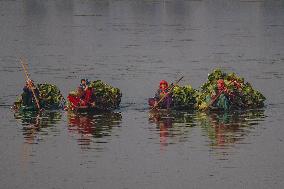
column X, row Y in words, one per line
column 154, row 107
column 28, row 80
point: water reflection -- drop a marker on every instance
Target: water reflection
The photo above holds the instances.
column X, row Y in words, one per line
column 35, row 125
column 91, row 125
column 222, row 129
column 225, row 129
column 173, row 127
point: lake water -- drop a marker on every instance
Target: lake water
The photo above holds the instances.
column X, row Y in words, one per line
column 132, row 45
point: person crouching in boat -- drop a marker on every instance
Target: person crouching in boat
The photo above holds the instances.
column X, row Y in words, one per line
column 222, row 96
column 87, row 94
column 162, row 92
column 27, row 95
column 84, row 96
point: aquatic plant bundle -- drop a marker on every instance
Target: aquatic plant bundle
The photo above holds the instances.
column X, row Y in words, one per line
column 50, row 97
column 243, row 95
column 106, row 97
column 184, row 97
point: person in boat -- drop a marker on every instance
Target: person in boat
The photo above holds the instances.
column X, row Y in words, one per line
column 222, row 97
column 27, row 95
column 84, row 95
column 161, row 92
column 84, row 84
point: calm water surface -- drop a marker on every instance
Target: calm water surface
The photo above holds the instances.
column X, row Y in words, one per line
column 132, row 44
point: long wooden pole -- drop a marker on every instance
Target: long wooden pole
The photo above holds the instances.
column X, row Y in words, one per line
column 29, row 82
column 167, row 93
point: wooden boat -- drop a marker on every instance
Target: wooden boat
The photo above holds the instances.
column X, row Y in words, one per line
column 86, row 109
column 151, row 103
column 50, row 98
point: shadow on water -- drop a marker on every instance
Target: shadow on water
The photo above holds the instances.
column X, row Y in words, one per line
column 37, row 125
column 222, row 129
column 91, row 127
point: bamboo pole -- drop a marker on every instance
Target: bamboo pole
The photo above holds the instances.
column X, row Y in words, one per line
column 29, row 81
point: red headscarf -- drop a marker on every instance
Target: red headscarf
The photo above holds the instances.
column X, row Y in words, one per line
column 165, row 83
column 220, row 84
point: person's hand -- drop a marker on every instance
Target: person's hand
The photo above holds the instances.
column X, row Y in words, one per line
column 155, row 104
column 213, row 94
column 93, row 104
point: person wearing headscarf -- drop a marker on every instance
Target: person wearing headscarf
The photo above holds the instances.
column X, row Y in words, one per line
column 162, row 92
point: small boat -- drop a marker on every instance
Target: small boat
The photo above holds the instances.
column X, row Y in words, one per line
column 85, row 109
column 50, row 98
column 160, row 108
column 98, row 97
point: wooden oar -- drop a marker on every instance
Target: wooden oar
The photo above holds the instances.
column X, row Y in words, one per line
column 28, row 81
column 155, row 106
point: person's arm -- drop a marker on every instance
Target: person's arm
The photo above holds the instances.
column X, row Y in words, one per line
column 86, row 88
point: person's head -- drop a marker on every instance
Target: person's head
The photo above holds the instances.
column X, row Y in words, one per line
column 29, row 83
column 163, row 85
column 220, row 84
column 83, row 81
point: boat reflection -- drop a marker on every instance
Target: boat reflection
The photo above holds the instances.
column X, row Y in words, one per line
column 222, row 129
column 35, row 124
column 225, row 129
column 91, row 125
column 172, row 126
